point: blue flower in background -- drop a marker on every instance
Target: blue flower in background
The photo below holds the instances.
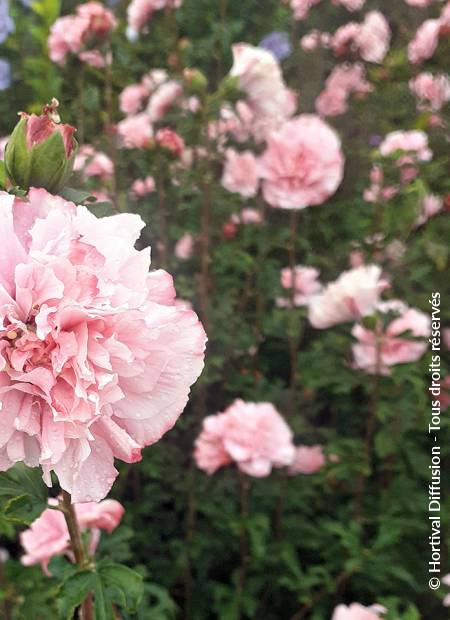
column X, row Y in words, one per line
column 6, row 21
column 278, row 43
column 5, row 74
column 27, row 3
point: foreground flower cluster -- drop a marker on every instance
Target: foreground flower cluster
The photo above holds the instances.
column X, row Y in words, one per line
column 96, row 358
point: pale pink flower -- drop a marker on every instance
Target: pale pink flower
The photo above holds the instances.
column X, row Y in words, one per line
column 353, row 295
column 170, row 140
column 307, row 460
column 377, row 350
column 136, row 131
column 48, row 535
column 93, row 163
column 162, row 99
column 350, row 5
column 95, row 360
column 251, row 216
column 414, row 143
column 69, row 33
column 344, row 37
column 253, row 435
column 259, row 76
column 374, row 37
column 425, row 41
column 344, row 80
column 305, row 282
column 94, row 58
column 355, row 611
column 132, row 98
column 301, row 8
column 139, row 12
column 302, row 165
column 240, row 173
column 432, row 91
column 184, row 247
column 356, row 259
column 309, row 42
column 143, row 187
column 431, row 206
column 420, row 4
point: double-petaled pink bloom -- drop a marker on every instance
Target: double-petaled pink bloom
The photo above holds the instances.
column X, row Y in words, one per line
column 96, row 360
column 303, row 164
column 252, row 435
column 48, row 535
column 370, row 39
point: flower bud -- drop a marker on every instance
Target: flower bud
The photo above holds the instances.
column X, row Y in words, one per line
column 41, row 151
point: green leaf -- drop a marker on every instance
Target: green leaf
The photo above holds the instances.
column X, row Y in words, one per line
column 122, row 585
column 23, row 494
column 74, row 591
column 75, row 195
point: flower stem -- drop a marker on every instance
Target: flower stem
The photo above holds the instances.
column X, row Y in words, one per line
column 85, row 611
column 293, row 335
column 244, row 490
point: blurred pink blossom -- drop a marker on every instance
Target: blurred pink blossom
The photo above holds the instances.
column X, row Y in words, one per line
column 136, row 131
column 305, row 282
column 132, row 98
column 355, row 611
column 168, row 139
column 301, row 8
column 353, row 295
column 162, row 99
column 414, row 142
column 253, row 435
column 431, row 206
column 425, row 41
column 344, row 80
column 143, row 187
column 350, row 5
column 307, row 460
column 240, row 173
column 96, row 362
column 93, row 163
column 303, row 163
column 431, row 90
column 377, row 350
column 48, row 535
column 139, row 12
column 374, row 37
column 184, row 247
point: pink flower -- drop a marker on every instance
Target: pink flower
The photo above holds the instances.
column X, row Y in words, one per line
column 240, row 173
column 48, row 535
column 170, row 140
column 259, row 76
column 305, row 283
column 311, row 41
column 342, row 81
column 101, row 21
column 69, row 33
column 355, row 611
column 143, row 187
column 95, row 360
column 66, row 36
column 350, row 5
column 162, row 99
column 425, row 41
column 94, row 58
column 136, row 131
column 251, row 216
column 132, row 98
column 431, row 206
column 40, row 128
column 420, row 4
column 302, row 165
column 139, row 12
column 93, row 163
column 308, row 460
column 356, row 259
column 412, row 142
column 377, row 350
column 253, row 435
column 184, row 247
column 431, row 90
column 353, row 295
column 344, row 38
column 374, row 37
column 301, row 8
